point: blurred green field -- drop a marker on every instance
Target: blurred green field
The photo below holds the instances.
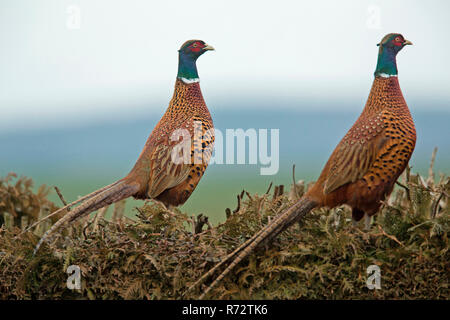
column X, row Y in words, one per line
column 210, row 197
column 216, row 191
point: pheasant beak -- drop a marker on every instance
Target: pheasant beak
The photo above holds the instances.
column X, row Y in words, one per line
column 407, row 42
column 208, row 47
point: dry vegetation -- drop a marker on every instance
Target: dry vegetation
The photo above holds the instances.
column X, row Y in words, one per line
column 158, row 254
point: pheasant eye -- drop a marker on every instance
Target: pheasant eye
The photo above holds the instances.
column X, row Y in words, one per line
column 397, row 39
column 196, row 47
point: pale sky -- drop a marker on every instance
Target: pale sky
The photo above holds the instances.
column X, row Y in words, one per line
column 123, row 57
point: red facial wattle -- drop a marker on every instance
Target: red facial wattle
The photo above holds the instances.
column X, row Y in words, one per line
column 398, row 41
column 197, row 46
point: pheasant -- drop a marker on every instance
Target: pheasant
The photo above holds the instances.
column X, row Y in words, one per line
column 365, row 165
column 159, row 173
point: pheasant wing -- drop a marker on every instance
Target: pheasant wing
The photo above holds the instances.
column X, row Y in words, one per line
column 173, row 159
column 356, row 152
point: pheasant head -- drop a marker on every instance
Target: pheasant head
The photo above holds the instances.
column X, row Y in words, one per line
column 390, row 45
column 187, row 58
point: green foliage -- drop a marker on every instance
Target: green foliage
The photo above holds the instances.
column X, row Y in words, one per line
column 158, row 256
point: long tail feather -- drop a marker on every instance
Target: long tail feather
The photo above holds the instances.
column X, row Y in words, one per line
column 281, row 223
column 90, row 195
column 116, row 193
column 231, row 255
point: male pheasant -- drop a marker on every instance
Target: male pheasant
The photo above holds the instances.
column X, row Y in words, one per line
column 163, row 172
column 363, row 168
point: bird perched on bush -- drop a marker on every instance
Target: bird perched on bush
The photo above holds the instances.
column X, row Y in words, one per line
column 366, row 163
column 175, row 155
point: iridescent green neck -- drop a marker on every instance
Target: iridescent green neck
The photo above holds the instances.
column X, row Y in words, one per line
column 387, row 64
column 187, row 69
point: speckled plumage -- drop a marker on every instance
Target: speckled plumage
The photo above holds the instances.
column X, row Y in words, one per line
column 161, row 178
column 157, row 174
column 364, row 166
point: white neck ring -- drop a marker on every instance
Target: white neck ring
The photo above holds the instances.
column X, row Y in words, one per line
column 194, row 80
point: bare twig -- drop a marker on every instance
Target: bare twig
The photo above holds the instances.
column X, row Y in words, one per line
column 435, row 210
column 275, row 193
column 227, row 212
column 402, row 185
column 382, row 233
column 279, row 190
column 61, row 197
column 200, row 222
column 85, row 229
column 392, row 237
column 430, row 170
column 238, row 204
column 268, row 189
column 407, row 179
column 294, row 184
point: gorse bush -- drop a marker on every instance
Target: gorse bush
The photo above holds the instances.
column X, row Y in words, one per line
column 160, row 254
column 19, row 205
